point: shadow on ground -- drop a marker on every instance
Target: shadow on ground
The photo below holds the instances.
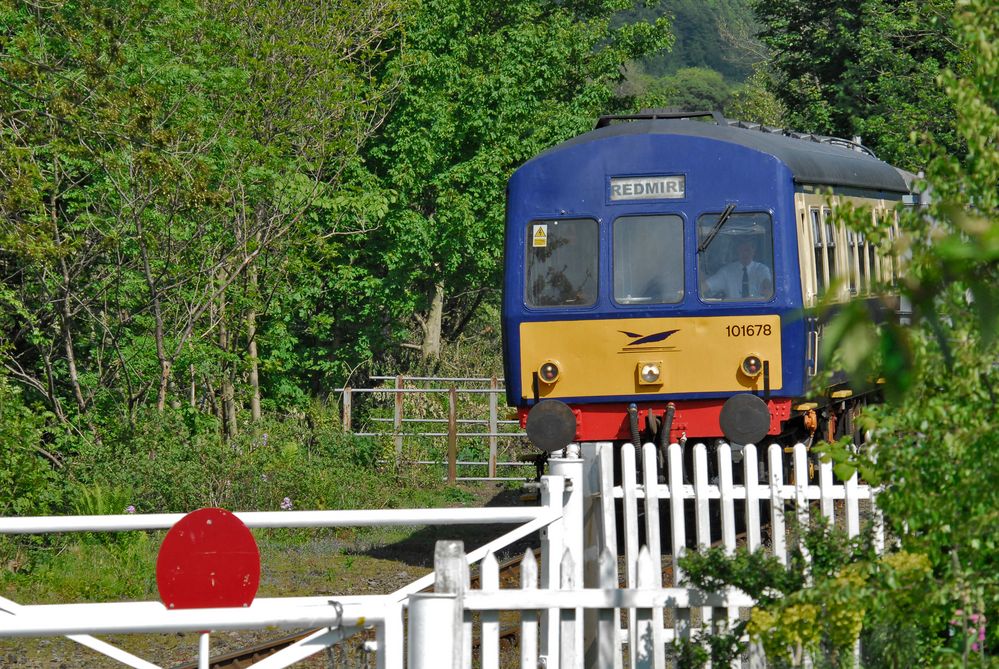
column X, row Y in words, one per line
column 418, row 548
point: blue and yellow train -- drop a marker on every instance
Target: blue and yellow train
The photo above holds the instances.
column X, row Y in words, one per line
column 662, row 274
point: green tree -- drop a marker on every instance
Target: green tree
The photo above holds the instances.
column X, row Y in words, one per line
column 697, row 88
column 863, row 68
column 717, row 35
column 484, row 86
column 754, row 102
column 154, row 156
column 938, row 449
column 104, row 141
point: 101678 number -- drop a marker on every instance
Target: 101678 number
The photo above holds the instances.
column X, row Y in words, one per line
column 752, row 330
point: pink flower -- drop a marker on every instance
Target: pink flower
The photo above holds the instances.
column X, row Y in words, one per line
column 286, row 504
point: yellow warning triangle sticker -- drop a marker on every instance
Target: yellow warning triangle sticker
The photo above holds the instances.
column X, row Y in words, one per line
column 540, row 235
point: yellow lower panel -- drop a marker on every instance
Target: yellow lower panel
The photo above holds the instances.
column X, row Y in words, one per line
column 696, row 355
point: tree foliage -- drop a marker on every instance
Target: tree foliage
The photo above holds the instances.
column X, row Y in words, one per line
column 864, row 68
column 213, row 211
column 716, row 35
column 158, row 160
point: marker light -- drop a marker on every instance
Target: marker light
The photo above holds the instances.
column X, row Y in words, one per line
column 649, row 373
column 548, row 372
column 752, row 365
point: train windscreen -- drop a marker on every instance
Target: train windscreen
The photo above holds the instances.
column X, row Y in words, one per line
column 648, row 259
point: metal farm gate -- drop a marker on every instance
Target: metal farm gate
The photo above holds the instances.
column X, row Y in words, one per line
column 590, row 602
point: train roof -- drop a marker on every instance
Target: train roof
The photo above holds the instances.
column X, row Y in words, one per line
column 812, row 159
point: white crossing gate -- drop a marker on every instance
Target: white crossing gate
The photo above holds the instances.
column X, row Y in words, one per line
column 589, row 603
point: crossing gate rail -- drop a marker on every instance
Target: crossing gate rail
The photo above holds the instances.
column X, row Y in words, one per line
column 575, row 609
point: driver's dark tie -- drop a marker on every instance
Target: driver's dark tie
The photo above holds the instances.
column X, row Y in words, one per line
column 745, row 281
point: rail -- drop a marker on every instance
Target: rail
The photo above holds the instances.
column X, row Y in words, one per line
column 495, row 428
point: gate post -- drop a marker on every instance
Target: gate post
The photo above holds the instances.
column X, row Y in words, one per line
column 570, row 468
column 564, row 486
column 452, row 435
column 552, row 547
column 434, row 639
column 436, row 620
column 493, row 425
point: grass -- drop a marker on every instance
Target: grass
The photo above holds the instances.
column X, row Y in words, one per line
column 87, row 571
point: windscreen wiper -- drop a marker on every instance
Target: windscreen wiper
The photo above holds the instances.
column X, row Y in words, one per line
column 718, row 225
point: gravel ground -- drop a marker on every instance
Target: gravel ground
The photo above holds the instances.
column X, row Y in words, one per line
column 376, row 563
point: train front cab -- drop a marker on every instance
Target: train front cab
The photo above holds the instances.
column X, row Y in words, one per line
column 613, row 298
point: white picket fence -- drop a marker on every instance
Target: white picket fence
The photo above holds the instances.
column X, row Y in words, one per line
column 581, row 601
column 576, row 609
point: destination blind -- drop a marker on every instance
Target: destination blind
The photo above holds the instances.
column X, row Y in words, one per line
column 647, row 188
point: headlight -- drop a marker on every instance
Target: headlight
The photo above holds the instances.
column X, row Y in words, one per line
column 752, row 365
column 548, row 372
column 650, row 373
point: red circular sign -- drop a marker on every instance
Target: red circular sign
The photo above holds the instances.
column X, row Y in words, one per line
column 208, row 559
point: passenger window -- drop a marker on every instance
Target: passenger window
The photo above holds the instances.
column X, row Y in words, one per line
column 892, row 255
column 830, row 240
column 821, row 269
column 561, row 267
column 736, row 259
column 872, row 259
column 648, row 260
column 851, row 258
column 861, row 252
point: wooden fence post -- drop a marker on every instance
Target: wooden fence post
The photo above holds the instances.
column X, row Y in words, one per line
column 452, row 435
column 347, row 396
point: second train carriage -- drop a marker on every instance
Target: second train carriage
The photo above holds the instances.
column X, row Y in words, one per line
column 662, row 275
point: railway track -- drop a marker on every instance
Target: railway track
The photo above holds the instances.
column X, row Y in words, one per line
column 247, row 656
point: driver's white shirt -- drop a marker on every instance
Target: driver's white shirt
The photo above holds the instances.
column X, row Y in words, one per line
column 728, row 280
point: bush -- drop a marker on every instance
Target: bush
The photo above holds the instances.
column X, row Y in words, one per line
column 29, row 484
column 822, row 606
column 173, row 462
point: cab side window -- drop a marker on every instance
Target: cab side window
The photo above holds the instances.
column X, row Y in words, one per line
column 561, row 263
column 737, row 263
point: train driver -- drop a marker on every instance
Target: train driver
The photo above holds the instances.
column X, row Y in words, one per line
column 744, row 278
